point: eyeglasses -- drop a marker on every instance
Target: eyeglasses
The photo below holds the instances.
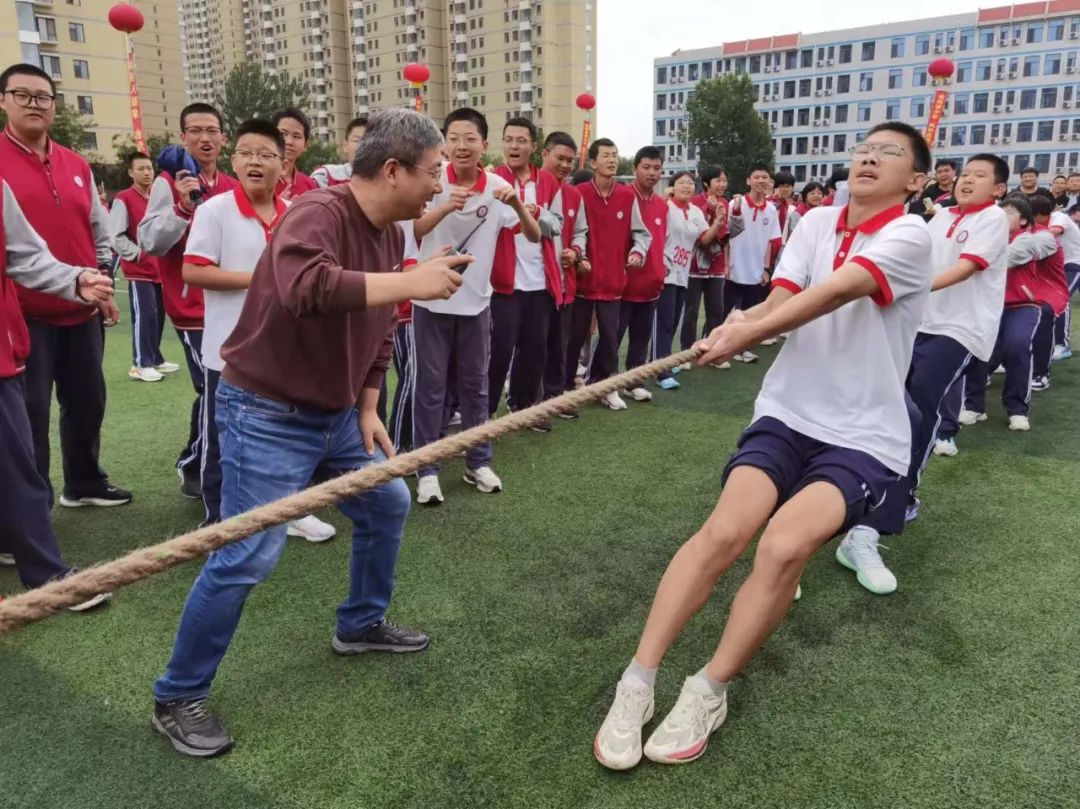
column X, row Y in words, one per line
column 199, row 131
column 886, row 150
column 24, row 98
column 434, row 173
column 261, row 157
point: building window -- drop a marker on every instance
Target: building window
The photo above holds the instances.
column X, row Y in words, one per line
column 967, row 39
column 843, row 83
column 789, row 89
column 864, row 112
column 785, row 146
column 82, row 68
column 841, row 113
column 789, row 118
column 46, row 29
column 804, row 116
column 1031, row 65
column 845, row 54
column 868, row 49
column 51, row 65
column 978, row 134
column 1042, row 162
column 896, row 78
column 918, row 76
column 791, row 60
column 983, row 68
column 76, row 32
column 981, row 102
column 755, row 64
column 866, row 82
column 963, row 72
column 959, row 136
column 897, row 49
column 706, row 70
column 661, row 102
column 922, row 44
column 1045, row 131
column 918, row 107
column 1055, row 31
column 1052, row 65
column 1035, row 32
column 1027, row 99
column 89, row 141
column 961, row 104
column 840, row 143
column 806, row 58
column 892, row 110
column 804, row 88
column 1024, row 132
column 693, row 74
column 1049, row 98
column 659, row 128
column 802, row 145
column 86, row 105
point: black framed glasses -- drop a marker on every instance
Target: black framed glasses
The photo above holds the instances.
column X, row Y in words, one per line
column 24, row 98
column 434, row 173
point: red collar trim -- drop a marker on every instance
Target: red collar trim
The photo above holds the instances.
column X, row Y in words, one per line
column 750, row 202
column 960, row 209
column 481, row 177
column 874, row 223
column 243, row 203
column 641, row 196
column 15, row 139
column 601, row 194
column 682, row 206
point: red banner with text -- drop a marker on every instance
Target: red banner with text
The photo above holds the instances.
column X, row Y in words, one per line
column 937, row 109
column 136, row 108
column 586, row 130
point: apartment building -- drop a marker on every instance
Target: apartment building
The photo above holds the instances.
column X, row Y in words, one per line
column 74, row 43
column 1015, row 91
column 212, row 42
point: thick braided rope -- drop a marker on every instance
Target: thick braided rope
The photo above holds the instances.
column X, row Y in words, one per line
column 143, row 563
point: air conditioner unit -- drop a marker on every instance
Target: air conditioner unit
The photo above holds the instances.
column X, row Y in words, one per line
column 1016, row 40
column 1008, row 108
column 1012, row 74
column 1006, row 140
column 768, row 69
column 1074, row 35
column 1076, row 135
column 949, row 49
column 993, row 140
column 937, row 49
column 1066, row 104
column 821, row 63
column 828, row 92
column 829, row 62
column 817, row 93
column 817, row 123
column 1070, row 68
column 997, row 109
column 1063, row 136
column 1000, row 75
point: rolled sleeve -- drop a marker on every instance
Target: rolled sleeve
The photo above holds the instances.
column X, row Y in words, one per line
column 794, row 270
column 899, row 259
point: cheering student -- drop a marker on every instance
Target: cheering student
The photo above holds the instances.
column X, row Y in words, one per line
column 339, row 173
column 468, row 212
column 617, row 245
column 26, row 533
column 1057, row 186
column 643, row 287
column 942, row 191
column 228, row 235
column 295, row 128
column 687, row 230
column 1068, row 234
column 141, row 271
column 754, row 249
column 56, row 191
column 163, row 233
column 708, row 264
column 526, row 276
column 309, row 351
column 559, row 154
column 811, row 197
column 970, row 249
column 830, row 433
column 1053, row 289
column 781, row 198
column 1029, row 184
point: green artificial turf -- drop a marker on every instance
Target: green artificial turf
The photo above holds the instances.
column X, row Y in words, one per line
column 961, row 690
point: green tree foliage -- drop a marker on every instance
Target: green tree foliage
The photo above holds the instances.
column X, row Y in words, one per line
column 319, row 153
column 726, row 128
column 69, row 128
column 251, row 92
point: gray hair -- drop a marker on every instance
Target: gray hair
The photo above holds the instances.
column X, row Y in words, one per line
column 394, row 133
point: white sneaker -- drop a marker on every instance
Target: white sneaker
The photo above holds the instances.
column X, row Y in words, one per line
column 455, row 419
column 969, row 417
column 485, row 480
column 167, row 368
column 798, row 591
column 639, row 394
column 859, row 552
column 428, row 491
column 686, row 366
column 746, row 356
column 770, row 342
column 145, row 374
column 684, row 734
column 1000, row 369
column 946, row 448
column 581, row 371
column 311, row 528
column 720, row 366
column 7, row 559
column 613, row 401
column 91, row 602
column 1059, row 353
column 1019, row 424
column 618, row 742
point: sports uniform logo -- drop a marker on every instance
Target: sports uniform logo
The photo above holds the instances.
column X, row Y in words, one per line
column 765, row 221
column 571, row 213
column 619, row 215
column 78, row 181
column 481, row 212
column 657, row 221
column 962, row 237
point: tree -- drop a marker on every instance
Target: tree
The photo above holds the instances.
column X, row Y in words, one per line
column 319, row 153
column 124, row 145
column 69, row 128
column 626, row 167
column 726, row 128
column 250, row 92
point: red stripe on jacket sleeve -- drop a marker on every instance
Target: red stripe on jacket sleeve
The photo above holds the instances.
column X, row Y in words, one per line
column 979, row 262
column 884, row 295
column 790, row 286
column 198, row 261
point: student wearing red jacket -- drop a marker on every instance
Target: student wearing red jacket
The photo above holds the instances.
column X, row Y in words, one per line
column 295, row 127
column 141, row 271
column 1054, row 290
column 618, row 243
column 26, row 532
column 163, row 233
column 643, row 287
column 58, row 195
column 709, row 266
column 526, row 277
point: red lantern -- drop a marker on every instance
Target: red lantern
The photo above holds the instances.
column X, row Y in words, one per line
column 126, row 18
column 416, row 74
column 941, row 69
column 586, row 101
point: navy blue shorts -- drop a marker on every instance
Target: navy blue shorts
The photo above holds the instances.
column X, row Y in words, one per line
column 793, row 461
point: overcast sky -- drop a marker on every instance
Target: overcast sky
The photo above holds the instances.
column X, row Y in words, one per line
column 631, row 33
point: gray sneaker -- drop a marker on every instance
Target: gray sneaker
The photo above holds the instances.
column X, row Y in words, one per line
column 191, row 729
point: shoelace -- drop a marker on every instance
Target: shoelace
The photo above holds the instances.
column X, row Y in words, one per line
column 690, row 710
column 628, row 709
column 196, row 714
column 866, row 554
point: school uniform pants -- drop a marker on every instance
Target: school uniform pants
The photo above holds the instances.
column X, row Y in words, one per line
column 1014, row 349
column 712, row 289
column 147, row 323
column 637, row 318
column 1043, row 348
column 742, row 296
column 558, row 336
column 519, row 332
column 190, row 459
column 401, row 429
column 210, row 470
column 1063, row 323
column 668, row 311
column 605, row 357
column 438, row 337
column 69, row 359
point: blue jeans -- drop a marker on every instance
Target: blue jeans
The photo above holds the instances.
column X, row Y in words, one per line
column 269, row 450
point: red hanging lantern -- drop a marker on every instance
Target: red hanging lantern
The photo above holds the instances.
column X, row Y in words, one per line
column 585, row 101
column 416, row 74
column 941, row 69
column 126, row 18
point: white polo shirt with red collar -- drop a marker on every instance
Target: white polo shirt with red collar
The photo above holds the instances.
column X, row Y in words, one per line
column 752, row 250
column 1067, row 232
column 226, row 232
column 685, row 225
column 840, row 378
column 969, row 312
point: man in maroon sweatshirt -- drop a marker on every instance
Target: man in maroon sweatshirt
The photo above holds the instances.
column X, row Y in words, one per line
column 58, row 195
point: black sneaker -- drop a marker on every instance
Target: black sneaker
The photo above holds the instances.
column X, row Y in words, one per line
column 109, row 495
column 544, row 426
column 191, row 729
column 569, row 414
column 95, row 600
column 190, row 487
column 382, row 637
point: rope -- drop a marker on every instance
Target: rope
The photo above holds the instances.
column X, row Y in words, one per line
column 40, row 603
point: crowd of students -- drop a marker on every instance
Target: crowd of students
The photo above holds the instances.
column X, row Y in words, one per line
column 897, row 299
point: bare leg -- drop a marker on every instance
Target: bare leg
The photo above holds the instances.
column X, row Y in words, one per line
column 795, row 533
column 746, row 502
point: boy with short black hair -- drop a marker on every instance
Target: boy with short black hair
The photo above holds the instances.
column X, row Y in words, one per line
column 339, row 173
column 295, row 128
column 467, row 214
column 830, row 433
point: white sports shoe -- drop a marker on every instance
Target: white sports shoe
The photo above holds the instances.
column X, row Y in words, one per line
column 969, row 417
column 1019, row 424
column 859, row 552
column 311, row 528
column 639, row 394
column 167, row 368
column 483, row 479
column 1000, row 369
column 946, row 448
column 747, row 357
column 428, row 491
column 618, row 742
column 581, row 371
column 686, row 366
column 7, row 559
column 613, row 401
column 145, row 374
column 770, row 342
column 455, row 419
column 684, row 734
column 798, row 591
column 720, row 366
